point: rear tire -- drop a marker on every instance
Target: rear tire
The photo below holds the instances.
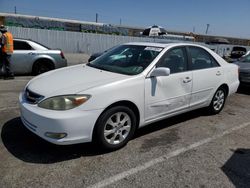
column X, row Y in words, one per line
column 42, row 66
column 218, row 101
column 115, row 127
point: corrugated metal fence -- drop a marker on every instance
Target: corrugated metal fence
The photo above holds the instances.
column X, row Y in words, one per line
column 75, row 42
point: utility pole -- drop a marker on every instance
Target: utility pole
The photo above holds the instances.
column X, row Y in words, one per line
column 15, row 10
column 207, row 28
column 96, row 18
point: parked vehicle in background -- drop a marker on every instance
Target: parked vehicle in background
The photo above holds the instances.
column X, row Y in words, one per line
column 237, row 52
column 244, row 69
column 248, row 52
column 32, row 57
column 128, row 87
column 94, row 56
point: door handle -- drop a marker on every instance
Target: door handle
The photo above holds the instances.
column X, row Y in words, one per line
column 218, row 73
column 187, row 80
column 31, row 53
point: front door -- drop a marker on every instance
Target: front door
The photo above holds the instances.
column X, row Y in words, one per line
column 168, row 94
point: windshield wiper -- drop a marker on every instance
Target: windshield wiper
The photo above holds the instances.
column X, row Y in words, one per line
column 99, row 67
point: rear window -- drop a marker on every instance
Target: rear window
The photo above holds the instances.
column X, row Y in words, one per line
column 245, row 59
column 239, row 49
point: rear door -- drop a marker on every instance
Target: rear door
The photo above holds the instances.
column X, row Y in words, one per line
column 207, row 76
column 21, row 60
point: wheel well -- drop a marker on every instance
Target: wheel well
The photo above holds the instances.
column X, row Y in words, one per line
column 130, row 105
column 225, row 86
column 44, row 60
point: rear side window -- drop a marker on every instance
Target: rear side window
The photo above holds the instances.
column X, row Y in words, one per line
column 201, row 59
column 21, row 45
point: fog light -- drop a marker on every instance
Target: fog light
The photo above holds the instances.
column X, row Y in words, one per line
column 55, row 135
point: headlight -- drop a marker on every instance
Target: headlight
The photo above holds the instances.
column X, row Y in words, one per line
column 65, row 102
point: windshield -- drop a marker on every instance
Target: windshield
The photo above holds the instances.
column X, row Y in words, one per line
column 126, row 59
column 245, row 59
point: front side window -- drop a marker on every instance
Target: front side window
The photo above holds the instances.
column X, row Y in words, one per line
column 174, row 59
column 201, row 59
column 127, row 59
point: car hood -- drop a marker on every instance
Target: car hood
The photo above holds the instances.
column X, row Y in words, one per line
column 71, row 80
column 243, row 66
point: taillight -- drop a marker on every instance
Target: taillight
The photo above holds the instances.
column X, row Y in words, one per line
column 62, row 55
column 238, row 71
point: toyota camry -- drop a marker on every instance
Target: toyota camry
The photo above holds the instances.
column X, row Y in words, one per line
column 130, row 86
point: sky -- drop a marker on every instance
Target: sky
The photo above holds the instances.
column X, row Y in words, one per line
column 225, row 17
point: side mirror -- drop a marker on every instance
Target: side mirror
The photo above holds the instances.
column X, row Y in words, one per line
column 161, row 71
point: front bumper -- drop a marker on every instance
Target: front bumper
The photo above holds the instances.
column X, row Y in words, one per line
column 76, row 123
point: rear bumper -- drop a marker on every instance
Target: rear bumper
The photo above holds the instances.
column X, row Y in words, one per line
column 233, row 87
column 245, row 78
column 61, row 63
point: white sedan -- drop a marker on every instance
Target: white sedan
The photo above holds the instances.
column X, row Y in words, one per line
column 132, row 85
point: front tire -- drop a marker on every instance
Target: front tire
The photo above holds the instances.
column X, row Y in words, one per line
column 115, row 127
column 218, row 101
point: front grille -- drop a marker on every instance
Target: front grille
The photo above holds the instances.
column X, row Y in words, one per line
column 32, row 97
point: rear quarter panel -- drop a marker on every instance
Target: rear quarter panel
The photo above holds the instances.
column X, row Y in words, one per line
column 230, row 71
column 55, row 56
column 232, row 77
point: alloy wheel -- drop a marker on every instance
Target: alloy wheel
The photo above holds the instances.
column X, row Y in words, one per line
column 218, row 100
column 117, row 128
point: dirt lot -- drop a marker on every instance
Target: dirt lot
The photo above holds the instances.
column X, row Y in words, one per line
column 191, row 150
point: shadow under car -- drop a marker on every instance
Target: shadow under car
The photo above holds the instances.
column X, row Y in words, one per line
column 28, row 147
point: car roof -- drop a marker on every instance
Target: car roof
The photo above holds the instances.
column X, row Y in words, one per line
column 19, row 39
column 169, row 45
column 32, row 42
column 163, row 45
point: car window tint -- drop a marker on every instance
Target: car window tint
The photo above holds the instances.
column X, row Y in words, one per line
column 174, row 59
column 248, row 58
column 245, row 59
column 127, row 59
column 21, row 45
column 201, row 59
